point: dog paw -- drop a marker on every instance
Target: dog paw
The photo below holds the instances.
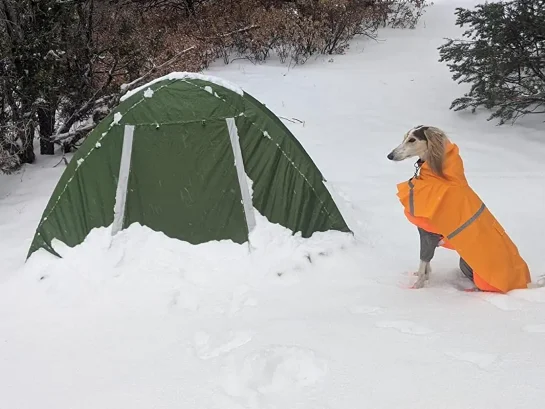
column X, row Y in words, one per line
column 419, row 283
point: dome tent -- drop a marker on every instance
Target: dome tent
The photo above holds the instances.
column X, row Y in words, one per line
column 180, row 155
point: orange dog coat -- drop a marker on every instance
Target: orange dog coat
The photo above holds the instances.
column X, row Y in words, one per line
column 448, row 206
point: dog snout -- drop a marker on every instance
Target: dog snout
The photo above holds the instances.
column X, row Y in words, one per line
column 391, row 155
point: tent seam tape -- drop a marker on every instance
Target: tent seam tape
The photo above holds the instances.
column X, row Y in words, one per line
column 247, row 204
column 142, row 100
column 123, row 179
column 79, row 164
column 44, row 219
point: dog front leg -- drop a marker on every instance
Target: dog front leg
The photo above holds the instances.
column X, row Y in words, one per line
column 423, row 274
column 428, row 244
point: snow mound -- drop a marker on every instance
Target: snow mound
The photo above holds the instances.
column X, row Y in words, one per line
column 144, row 321
column 143, row 255
column 186, row 76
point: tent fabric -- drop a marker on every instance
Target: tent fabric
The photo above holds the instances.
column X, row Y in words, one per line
column 451, row 208
column 183, row 180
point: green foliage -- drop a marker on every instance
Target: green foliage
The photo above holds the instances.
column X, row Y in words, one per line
column 502, row 57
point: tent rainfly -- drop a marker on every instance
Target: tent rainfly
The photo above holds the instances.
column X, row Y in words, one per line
column 191, row 156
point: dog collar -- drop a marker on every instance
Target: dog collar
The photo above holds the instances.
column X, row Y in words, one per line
column 417, row 167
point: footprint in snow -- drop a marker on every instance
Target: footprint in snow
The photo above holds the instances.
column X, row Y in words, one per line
column 364, row 309
column 174, row 298
column 406, row 327
column 482, row 360
column 534, row 295
column 224, row 401
column 504, row 302
column 188, row 300
column 240, row 299
column 207, row 348
column 534, row 329
column 273, row 372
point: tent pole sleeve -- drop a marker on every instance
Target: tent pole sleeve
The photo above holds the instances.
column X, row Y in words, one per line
column 123, row 180
column 241, row 173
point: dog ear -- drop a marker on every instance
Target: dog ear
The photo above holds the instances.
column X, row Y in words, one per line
column 436, row 149
column 420, row 132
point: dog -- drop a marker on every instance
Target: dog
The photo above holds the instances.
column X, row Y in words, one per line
column 427, row 143
column 448, row 212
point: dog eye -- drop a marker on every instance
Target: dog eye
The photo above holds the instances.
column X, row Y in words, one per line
column 411, row 140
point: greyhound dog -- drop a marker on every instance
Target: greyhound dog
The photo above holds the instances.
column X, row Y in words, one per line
column 428, row 144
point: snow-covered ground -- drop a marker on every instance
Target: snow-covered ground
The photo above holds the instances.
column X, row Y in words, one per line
column 318, row 324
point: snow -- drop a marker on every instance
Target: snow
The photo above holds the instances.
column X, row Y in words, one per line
column 117, row 117
column 143, row 321
column 148, row 93
column 183, row 76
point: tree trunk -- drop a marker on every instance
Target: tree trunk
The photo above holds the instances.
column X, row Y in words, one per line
column 27, row 154
column 46, row 121
column 190, row 8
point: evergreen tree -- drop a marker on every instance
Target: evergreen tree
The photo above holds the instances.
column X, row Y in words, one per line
column 61, row 64
column 502, row 57
column 44, row 48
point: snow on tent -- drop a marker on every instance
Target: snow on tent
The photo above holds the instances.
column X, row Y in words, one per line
column 190, row 156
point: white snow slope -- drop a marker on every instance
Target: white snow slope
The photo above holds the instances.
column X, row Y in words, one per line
column 156, row 323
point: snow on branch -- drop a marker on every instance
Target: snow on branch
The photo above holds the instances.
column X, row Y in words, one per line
column 64, row 133
column 67, row 135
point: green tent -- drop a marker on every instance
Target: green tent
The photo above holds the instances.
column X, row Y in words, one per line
column 191, row 156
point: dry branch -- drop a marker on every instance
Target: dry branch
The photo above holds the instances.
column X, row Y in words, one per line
column 67, row 135
column 128, row 86
column 242, row 30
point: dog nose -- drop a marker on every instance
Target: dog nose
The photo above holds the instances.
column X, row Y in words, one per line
column 390, row 156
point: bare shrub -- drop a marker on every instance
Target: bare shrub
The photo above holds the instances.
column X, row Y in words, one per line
column 76, row 58
column 405, row 13
column 12, row 153
column 295, row 30
column 9, row 161
column 341, row 20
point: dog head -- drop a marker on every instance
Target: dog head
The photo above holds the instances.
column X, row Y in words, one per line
column 415, row 143
column 425, row 142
